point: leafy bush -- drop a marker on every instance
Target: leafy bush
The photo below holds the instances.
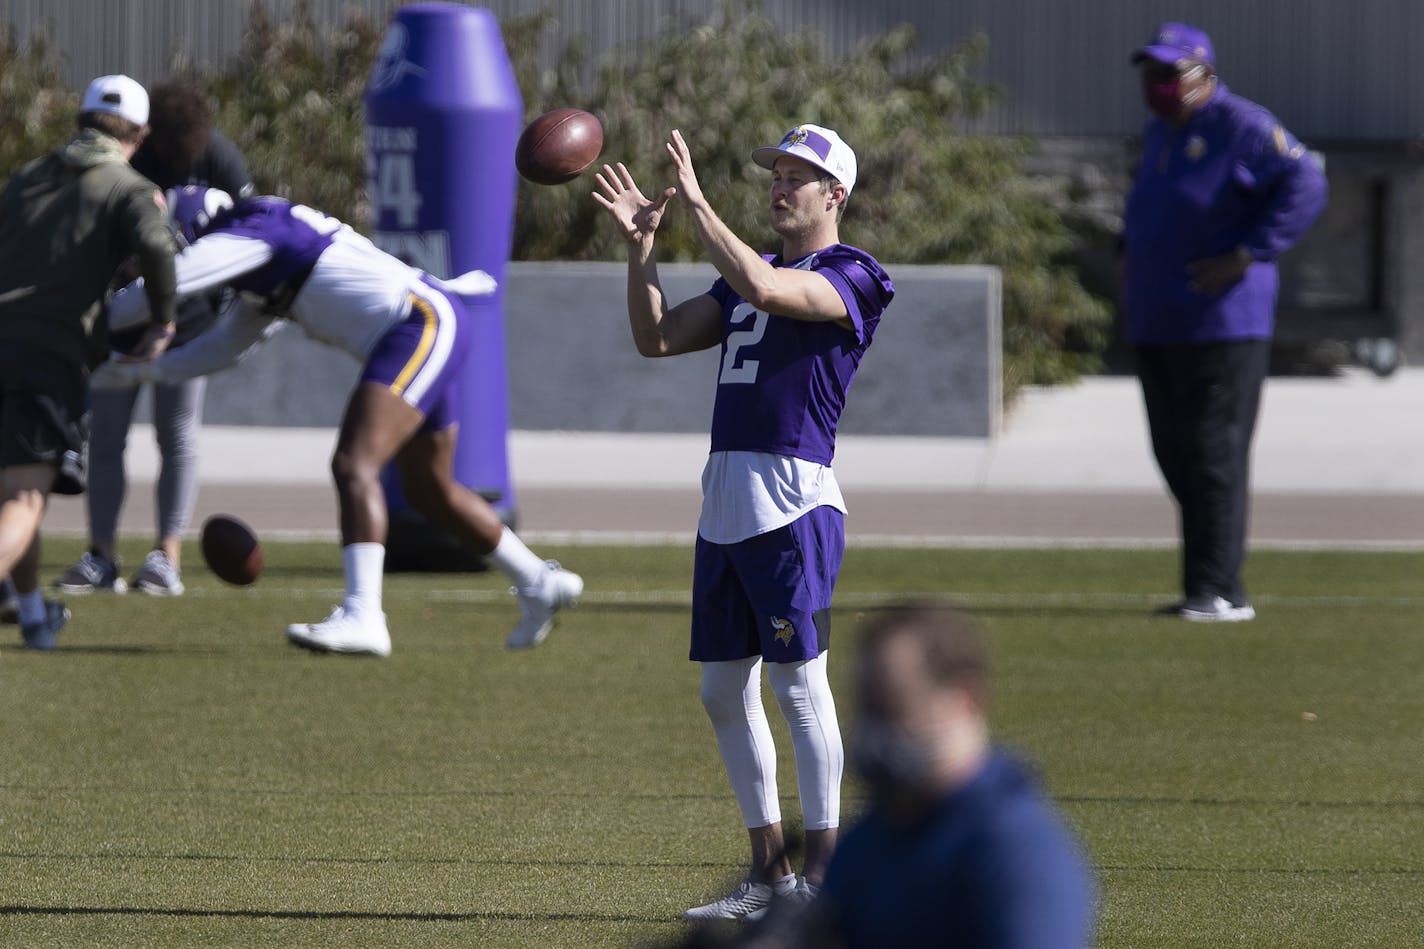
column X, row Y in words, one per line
column 926, row 193
column 291, row 98
column 36, row 112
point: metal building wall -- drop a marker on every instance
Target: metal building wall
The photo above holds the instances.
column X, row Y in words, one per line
column 1331, row 70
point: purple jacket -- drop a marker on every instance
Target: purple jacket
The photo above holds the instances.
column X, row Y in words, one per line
column 1230, row 177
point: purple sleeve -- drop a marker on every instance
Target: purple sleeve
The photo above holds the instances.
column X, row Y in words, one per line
column 1292, row 186
column 862, row 283
column 720, row 291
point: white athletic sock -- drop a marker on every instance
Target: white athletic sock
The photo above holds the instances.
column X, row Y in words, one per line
column 804, row 693
column 524, row 569
column 31, row 605
column 785, row 885
column 731, row 693
column 365, row 566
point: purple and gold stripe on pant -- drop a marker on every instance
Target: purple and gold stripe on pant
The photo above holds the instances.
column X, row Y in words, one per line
column 422, row 309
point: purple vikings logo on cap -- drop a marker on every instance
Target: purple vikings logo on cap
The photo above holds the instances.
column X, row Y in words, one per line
column 821, row 147
column 1175, row 41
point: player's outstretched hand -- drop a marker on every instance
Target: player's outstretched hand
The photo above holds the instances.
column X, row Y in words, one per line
column 689, row 192
column 636, row 215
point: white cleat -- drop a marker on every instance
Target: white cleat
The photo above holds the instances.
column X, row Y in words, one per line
column 560, row 588
column 746, row 899
column 803, row 893
column 1215, row 609
column 344, row 632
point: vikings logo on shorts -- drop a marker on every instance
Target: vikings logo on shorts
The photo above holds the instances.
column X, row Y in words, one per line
column 785, row 632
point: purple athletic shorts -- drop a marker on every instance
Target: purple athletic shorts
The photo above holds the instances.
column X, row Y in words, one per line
column 419, row 359
column 769, row 595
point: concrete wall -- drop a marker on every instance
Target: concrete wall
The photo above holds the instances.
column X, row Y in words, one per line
column 933, row 370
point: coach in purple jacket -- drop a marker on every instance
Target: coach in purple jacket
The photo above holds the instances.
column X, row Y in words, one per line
column 1222, row 191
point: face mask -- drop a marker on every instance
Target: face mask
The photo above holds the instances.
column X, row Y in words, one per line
column 1164, row 98
column 890, row 760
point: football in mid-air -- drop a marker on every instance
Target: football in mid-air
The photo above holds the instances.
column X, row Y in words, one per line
column 231, row 550
column 558, row 146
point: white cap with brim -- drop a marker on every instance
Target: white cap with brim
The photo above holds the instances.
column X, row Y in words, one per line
column 117, row 95
column 820, row 146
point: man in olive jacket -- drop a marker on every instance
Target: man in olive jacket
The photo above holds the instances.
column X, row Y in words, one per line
column 68, row 221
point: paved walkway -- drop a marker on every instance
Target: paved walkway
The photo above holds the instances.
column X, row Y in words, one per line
column 1338, row 461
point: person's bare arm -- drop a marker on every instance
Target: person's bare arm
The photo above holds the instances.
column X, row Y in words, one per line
column 658, row 329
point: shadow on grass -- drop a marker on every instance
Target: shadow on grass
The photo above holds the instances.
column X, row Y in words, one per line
column 301, row 571
column 65, row 649
column 1066, row 610
column 320, row 914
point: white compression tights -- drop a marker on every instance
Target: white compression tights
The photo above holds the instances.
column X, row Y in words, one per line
column 731, row 693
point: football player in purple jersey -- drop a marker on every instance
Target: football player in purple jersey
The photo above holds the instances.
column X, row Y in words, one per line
column 409, row 330
column 792, row 328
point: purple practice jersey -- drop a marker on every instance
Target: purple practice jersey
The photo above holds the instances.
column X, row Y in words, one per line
column 782, row 383
column 296, row 234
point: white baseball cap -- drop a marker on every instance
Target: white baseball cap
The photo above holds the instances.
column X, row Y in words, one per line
column 118, row 95
column 820, row 146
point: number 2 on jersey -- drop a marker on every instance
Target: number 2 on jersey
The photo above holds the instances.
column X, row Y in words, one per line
column 740, row 339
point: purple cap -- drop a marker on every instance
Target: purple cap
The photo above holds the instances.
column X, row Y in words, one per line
column 1177, row 41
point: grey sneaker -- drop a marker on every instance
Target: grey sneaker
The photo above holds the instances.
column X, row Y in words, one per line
column 1215, row 609
column 560, row 588
column 158, row 576
column 92, row 572
column 42, row 635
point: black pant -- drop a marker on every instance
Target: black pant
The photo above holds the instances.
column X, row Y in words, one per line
column 1202, row 400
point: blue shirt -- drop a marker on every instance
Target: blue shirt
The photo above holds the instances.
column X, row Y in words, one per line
column 992, row 865
column 782, row 382
column 1230, row 177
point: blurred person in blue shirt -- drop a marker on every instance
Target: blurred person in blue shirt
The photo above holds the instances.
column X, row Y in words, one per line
column 960, row 846
column 1222, row 191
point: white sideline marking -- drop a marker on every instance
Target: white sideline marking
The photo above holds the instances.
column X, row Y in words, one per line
column 845, row 600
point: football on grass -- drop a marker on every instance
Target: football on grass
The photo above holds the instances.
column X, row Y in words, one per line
column 231, row 550
column 558, row 146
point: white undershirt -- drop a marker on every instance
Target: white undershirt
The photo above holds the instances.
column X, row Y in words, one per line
column 746, row 493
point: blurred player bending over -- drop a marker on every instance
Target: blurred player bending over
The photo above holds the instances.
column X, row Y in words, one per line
column 411, row 331
column 793, row 328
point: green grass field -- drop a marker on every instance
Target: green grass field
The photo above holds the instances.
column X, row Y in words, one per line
column 176, row 775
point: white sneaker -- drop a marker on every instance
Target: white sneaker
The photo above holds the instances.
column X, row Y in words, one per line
column 561, row 588
column 344, row 632
column 800, row 896
column 747, row 898
column 1215, row 609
